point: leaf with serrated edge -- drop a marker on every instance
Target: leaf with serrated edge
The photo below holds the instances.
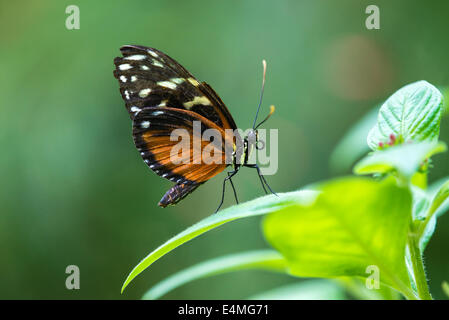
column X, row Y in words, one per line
column 413, row 113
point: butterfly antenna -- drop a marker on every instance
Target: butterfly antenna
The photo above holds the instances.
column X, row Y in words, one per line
column 261, row 92
column 266, row 118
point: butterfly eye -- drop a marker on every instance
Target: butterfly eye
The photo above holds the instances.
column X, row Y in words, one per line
column 260, row 145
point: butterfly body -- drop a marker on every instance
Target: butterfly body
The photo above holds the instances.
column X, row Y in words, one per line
column 160, row 96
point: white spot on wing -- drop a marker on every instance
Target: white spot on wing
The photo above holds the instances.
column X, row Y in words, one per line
column 123, row 78
column 144, row 67
column 154, row 54
column 157, row 64
column 125, row 66
column 135, row 109
column 145, row 124
column 194, row 82
column 133, row 78
column 167, row 84
column 177, row 80
column 144, row 93
column 127, row 94
column 196, row 101
column 157, row 113
column 136, row 57
column 163, row 103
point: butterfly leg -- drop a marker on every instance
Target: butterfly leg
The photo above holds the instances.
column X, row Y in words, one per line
column 263, row 181
column 233, row 188
column 266, row 183
column 229, row 177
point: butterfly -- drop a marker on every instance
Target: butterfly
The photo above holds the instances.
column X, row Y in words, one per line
column 161, row 96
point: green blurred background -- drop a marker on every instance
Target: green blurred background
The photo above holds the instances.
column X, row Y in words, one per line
column 74, row 189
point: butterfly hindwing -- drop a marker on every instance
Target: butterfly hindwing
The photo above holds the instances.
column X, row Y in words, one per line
column 176, row 193
column 153, row 131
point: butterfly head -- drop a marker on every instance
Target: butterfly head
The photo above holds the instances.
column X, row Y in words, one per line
column 252, row 141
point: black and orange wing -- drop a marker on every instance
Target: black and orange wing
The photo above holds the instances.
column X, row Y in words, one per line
column 162, row 148
column 160, row 92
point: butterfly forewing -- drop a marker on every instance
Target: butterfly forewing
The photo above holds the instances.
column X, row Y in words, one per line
column 149, row 78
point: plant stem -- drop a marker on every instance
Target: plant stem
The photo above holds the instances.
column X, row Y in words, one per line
column 418, row 266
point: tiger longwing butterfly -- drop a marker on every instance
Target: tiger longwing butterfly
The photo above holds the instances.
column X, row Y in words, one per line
column 160, row 96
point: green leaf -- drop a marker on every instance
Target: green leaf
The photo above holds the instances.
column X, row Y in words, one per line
column 421, row 203
column 353, row 145
column 445, row 101
column 354, row 223
column 440, row 202
column 438, row 205
column 305, row 290
column 406, row 159
column 434, row 189
column 261, row 259
column 255, row 207
column 445, row 287
column 436, row 185
column 412, row 113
